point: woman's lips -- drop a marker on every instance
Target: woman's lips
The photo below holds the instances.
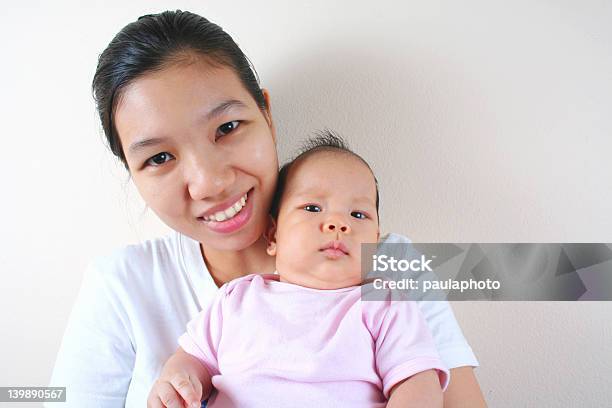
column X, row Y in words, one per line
column 236, row 222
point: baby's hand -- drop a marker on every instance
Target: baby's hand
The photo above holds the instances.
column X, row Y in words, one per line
column 182, row 384
column 176, row 391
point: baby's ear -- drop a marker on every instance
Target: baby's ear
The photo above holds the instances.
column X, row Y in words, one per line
column 270, row 236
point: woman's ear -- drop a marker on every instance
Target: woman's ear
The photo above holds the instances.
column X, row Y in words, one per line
column 270, row 236
column 268, row 113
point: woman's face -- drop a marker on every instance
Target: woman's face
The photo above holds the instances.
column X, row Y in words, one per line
column 200, row 151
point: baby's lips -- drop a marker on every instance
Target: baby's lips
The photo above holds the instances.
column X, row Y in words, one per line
column 335, row 245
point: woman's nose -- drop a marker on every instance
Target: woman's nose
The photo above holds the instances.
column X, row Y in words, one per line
column 207, row 178
column 336, row 225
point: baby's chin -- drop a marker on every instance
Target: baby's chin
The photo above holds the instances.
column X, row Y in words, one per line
column 322, row 281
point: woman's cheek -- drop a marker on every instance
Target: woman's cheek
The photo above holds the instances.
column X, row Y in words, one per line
column 163, row 196
column 261, row 154
column 259, row 159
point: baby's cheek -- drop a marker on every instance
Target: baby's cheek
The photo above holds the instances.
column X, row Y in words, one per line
column 283, row 263
column 359, row 261
column 289, row 254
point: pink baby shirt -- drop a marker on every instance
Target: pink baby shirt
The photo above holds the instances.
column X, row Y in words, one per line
column 275, row 344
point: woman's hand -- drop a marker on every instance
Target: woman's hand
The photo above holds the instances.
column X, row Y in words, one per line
column 183, row 383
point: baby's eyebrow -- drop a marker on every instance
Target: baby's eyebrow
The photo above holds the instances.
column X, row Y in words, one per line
column 365, row 199
column 306, row 194
column 317, row 195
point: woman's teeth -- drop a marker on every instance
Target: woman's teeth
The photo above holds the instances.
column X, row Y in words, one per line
column 229, row 212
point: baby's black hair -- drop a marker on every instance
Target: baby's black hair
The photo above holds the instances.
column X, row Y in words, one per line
column 325, row 140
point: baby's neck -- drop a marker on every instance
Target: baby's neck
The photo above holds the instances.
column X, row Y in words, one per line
column 313, row 283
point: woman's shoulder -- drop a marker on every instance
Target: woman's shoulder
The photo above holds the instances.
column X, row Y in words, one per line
column 393, row 238
column 145, row 259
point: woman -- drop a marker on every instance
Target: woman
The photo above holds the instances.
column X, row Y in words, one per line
column 183, row 110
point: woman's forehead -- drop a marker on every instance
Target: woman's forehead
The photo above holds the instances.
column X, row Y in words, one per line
column 197, row 82
column 179, row 94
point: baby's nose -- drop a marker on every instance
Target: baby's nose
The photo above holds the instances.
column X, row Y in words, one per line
column 335, row 226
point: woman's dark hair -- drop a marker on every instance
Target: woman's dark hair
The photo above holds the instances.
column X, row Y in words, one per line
column 151, row 43
column 325, row 140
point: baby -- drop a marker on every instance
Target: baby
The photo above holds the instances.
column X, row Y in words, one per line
column 303, row 337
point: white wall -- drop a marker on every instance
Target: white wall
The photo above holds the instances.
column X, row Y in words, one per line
column 484, row 121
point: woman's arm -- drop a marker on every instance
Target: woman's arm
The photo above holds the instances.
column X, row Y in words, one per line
column 420, row 390
column 96, row 357
column 463, row 390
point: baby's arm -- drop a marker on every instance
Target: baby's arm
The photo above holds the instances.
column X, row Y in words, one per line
column 184, row 382
column 420, row 390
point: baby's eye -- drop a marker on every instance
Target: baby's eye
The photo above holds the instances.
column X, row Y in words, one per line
column 359, row 215
column 159, row 159
column 312, row 208
column 227, row 128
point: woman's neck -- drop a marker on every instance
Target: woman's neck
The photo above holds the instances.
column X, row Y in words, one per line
column 224, row 266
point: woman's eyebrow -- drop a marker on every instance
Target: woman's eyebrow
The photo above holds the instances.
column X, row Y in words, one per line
column 141, row 144
column 224, row 107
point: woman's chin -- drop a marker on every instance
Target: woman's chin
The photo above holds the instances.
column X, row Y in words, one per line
column 237, row 241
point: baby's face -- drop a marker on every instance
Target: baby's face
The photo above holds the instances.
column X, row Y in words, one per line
column 328, row 210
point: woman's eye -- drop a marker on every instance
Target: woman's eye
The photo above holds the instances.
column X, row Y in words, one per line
column 359, row 215
column 312, row 208
column 228, row 127
column 159, row 159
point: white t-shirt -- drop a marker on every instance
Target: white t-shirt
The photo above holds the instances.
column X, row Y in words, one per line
column 134, row 305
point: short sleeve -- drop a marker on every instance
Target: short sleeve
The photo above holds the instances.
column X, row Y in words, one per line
column 203, row 333
column 452, row 346
column 403, row 345
column 450, row 342
column 96, row 356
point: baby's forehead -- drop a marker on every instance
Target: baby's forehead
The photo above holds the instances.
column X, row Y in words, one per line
column 325, row 170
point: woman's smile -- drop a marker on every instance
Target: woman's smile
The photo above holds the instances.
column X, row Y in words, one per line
column 232, row 218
